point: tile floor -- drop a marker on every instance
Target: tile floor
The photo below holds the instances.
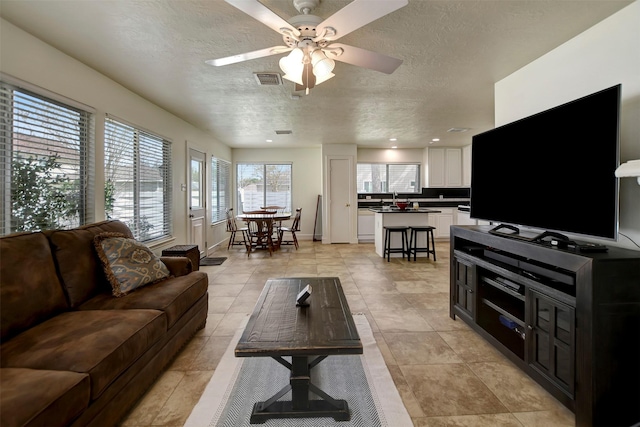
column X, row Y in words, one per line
column 446, row 374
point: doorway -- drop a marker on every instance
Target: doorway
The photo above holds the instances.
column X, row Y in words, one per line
column 197, row 199
column 340, row 222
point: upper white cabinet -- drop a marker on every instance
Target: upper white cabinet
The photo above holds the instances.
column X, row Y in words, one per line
column 466, row 166
column 450, row 167
column 436, row 167
column 445, row 167
column 453, row 175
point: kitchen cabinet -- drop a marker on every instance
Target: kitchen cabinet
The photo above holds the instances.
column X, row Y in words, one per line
column 366, row 225
column 442, row 221
column 464, row 218
column 445, row 167
column 466, row 166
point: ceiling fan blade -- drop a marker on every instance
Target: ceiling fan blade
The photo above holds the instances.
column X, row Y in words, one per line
column 249, row 55
column 358, row 14
column 364, row 58
column 258, row 11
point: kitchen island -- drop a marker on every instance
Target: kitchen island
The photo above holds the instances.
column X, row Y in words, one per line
column 395, row 216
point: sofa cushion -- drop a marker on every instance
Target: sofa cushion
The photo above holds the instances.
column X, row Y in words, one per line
column 30, row 291
column 34, row 397
column 128, row 264
column 79, row 267
column 174, row 296
column 101, row 343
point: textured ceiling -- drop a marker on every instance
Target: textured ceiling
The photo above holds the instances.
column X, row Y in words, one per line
column 453, row 52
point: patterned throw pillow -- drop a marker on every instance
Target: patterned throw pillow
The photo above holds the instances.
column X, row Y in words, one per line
column 128, row 263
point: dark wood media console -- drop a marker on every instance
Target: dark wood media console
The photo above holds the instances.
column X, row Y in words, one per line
column 570, row 320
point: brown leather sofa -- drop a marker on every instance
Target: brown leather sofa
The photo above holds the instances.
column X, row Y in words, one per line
column 70, row 352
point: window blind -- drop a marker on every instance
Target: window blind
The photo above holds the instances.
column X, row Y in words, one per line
column 46, row 162
column 220, row 189
column 138, row 180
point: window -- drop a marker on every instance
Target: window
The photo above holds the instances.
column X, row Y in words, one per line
column 388, row 178
column 220, row 189
column 138, row 180
column 263, row 185
column 45, row 170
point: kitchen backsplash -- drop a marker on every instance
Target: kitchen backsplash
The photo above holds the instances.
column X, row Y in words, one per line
column 427, row 193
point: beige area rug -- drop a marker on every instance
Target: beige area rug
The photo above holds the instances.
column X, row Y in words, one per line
column 364, row 381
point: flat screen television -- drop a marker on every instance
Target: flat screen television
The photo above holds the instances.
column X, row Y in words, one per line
column 552, row 171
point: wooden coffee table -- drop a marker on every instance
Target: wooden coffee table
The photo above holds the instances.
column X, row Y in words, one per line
column 279, row 328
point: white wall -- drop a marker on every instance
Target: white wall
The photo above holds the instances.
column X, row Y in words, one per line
column 389, row 155
column 306, row 179
column 601, row 57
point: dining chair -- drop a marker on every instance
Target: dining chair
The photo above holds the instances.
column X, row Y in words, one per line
column 259, row 234
column 295, row 227
column 279, row 210
column 232, row 227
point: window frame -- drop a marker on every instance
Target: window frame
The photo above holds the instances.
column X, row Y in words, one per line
column 239, row 203
column 218, row 208
column 142, row 142
column 39, row 122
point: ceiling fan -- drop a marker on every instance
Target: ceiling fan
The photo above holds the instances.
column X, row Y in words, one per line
column 311, row 39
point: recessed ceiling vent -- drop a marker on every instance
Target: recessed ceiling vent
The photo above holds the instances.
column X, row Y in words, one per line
column 458, row 130
column 268, row 79
column 284, row 132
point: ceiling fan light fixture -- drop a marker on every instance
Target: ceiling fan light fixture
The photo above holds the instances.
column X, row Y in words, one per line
column 322, row 65
column 296, row 78
column 324, row 78
column 292, row 63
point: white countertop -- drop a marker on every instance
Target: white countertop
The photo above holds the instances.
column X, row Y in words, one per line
column 404, row 211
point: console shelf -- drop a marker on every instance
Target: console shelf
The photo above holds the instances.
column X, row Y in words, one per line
column 570, row 320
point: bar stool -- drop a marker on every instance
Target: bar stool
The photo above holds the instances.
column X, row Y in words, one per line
column 388, row 250
column 413, row 241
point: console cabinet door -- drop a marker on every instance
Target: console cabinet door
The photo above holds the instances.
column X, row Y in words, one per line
column 465, row 280
column 551, row 346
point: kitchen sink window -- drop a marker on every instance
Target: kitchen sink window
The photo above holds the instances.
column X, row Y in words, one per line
column 388, row 177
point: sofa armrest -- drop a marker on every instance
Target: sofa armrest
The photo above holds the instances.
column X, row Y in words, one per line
column 177, row 265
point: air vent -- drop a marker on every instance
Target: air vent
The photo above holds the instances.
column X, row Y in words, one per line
column 458, row 130
column 284, row 132
column 268, row 79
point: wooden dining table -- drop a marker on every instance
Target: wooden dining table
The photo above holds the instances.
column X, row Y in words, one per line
column 259, row 233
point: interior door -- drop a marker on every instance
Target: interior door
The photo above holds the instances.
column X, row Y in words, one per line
column 340, row 200
column 197, row 199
